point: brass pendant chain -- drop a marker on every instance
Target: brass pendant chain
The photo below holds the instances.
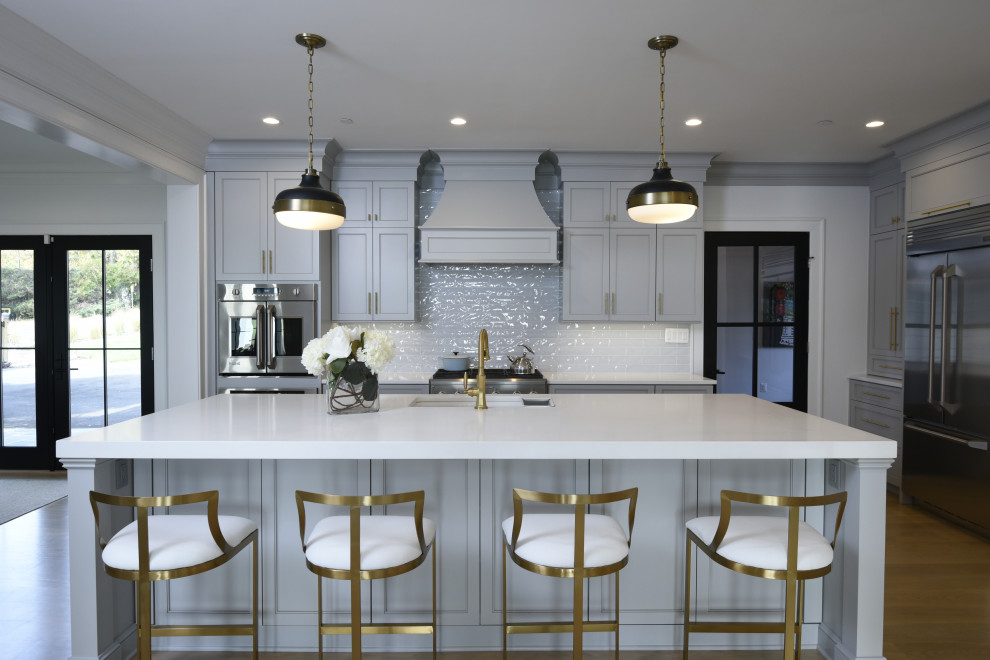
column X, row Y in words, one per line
column 310, row 51
column 663, row 154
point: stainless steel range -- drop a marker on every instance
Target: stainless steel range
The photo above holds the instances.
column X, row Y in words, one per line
column 497, row 381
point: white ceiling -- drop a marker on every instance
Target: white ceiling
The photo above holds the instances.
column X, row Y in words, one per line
column 559, row 74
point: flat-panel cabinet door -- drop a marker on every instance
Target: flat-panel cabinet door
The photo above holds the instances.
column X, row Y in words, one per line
column 357, row 201
column 394, row 204
column 586, row 275
column 351, row 283
column 293, row 254
column 394, row 292
column 632, row 259
column 886, row 320
column 887, row 209
column 241, row 225
column 587, row 204
column 680, row 275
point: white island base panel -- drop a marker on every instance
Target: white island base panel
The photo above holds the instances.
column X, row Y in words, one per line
column 680, row 450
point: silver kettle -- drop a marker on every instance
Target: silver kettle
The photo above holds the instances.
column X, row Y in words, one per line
column 521, row 364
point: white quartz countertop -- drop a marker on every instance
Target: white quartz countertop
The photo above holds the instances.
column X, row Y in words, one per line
column 578, row 426
column 573, row 377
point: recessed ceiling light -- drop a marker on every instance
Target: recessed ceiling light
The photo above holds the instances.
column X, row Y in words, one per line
column 694, row 121
column 874, row 124
column 271, row 121
column 458, row 121
column 824, row 122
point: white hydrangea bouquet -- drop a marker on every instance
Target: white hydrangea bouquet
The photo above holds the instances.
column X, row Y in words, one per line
column 349, row 359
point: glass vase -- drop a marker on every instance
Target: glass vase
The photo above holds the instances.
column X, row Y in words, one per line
column 344, row 398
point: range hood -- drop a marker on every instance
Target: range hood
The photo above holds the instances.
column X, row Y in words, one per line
column 488, row 215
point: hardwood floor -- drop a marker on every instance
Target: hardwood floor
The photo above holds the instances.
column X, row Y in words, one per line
column 937, row 597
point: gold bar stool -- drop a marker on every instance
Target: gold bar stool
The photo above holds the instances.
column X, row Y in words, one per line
column 379, row 546
column 772, row 547
column 574, row 545
column 167, row 546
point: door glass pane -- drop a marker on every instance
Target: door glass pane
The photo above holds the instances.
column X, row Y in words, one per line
column 123, row 385
column 123, row 299
column 86, row 403
column 775, row 364
column 735, row 360
column 243, row 336
column 85, row 283
column 735, row 284
column 777, row 283
column 17, row 349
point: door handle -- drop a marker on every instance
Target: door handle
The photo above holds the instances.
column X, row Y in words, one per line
column 271, row 336
column 933, row 276
column 259, row 336
column 719, row 372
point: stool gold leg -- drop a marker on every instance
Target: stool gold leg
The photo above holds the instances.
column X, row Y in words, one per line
column 319, row 614
column 505, row 621
column 616, row 615
column 578, row 616
column 144, row 620
column 254, row 599
column 687, row 596
column 800, row 619
column 434, row 600
column 355, row 617
column 789, row 610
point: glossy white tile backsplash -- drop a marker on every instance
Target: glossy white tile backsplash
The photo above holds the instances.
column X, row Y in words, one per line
column 521, row 304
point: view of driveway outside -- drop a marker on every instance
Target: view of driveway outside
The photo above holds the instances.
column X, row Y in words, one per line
column 104, row 362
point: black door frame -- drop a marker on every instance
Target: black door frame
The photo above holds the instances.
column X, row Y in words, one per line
column 801, row 243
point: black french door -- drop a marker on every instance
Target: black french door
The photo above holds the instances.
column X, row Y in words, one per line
column 85, row 303
column 756, row 315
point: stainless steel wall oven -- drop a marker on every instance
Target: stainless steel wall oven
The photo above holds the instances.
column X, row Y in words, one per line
column 263, row 328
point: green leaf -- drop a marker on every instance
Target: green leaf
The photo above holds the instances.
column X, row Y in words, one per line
column 370, row 389
column 337, row 366
column 354, row 372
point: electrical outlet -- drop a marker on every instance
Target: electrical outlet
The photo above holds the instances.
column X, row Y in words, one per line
column 676, row 335
column 121, row 476
column 763, row 387
column 834, row 474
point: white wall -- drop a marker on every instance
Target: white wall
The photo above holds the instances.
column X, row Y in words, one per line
column 842, row 269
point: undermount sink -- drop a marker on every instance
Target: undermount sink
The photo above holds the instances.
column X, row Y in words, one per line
column 451, row 401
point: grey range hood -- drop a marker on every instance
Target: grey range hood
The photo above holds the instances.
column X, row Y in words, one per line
column 488, row 215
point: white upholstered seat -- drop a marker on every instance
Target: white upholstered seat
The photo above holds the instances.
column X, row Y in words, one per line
column 575, row 545
column 374, row 546
column 167, row 546
column 772, row 547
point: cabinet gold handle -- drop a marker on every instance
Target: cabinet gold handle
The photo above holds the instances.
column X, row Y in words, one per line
column 262, row 261
column 888, row 366
column 946, row 208
column 271, row 268
column 606, row 303
column 376, row 302
column 369, row 217
column 890, row 329
column 897, row 313
column 369, row 302
column 376, row 217
column 879, row 396
column 870, row 421
column 614, row 296
column 659, row 303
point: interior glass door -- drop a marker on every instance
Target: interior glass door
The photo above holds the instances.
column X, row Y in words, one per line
column 756, row 320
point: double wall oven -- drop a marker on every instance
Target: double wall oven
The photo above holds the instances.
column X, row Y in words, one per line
column 263, row 328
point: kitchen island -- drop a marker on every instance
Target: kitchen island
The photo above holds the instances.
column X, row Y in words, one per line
column 283, row 441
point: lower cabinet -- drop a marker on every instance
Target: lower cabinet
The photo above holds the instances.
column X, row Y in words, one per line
column 877, row 407
column 629, row 388
column 469, row 499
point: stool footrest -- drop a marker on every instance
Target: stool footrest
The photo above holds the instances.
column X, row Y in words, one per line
column 204, row 630
column 559, row 627
column 736, row 627
column 379, row 629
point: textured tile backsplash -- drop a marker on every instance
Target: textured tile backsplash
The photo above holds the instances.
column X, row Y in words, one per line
column 521, row 304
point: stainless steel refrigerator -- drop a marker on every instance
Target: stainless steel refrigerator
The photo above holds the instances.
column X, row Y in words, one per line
column 947, row 366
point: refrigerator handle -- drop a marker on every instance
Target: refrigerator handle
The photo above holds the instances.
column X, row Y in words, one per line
column 972, row 444
column 935, row 274
column 950, row 272
column 259, row 337
column 271, row 336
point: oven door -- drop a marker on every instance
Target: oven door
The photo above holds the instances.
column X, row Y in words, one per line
column 241, row 333
column 290, row 326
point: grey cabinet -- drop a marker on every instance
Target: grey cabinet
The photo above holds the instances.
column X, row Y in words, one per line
column 950, row 182
column 877, row 407
column 373, row 274
column 378, row 203
column 609, row 274
column 887, row 260
column 680, row 275
column 629, row 388
column 250, row 244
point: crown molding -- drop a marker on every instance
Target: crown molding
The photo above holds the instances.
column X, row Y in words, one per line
column 944, row 138
column 789, row 174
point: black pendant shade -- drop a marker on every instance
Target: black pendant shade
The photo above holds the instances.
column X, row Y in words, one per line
column 662, row 200
column 309, row 205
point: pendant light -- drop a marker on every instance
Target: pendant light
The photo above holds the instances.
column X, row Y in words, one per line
column 663, row 199
column 309, row 205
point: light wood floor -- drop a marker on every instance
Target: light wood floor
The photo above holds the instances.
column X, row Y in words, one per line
column 937, row 597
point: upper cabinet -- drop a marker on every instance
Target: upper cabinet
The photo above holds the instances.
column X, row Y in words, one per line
column 603, row 204
column 373, row 274
column 378, row 203
column 609, row 274
column 680, row 274
column 886, row 320
column 250, row 243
